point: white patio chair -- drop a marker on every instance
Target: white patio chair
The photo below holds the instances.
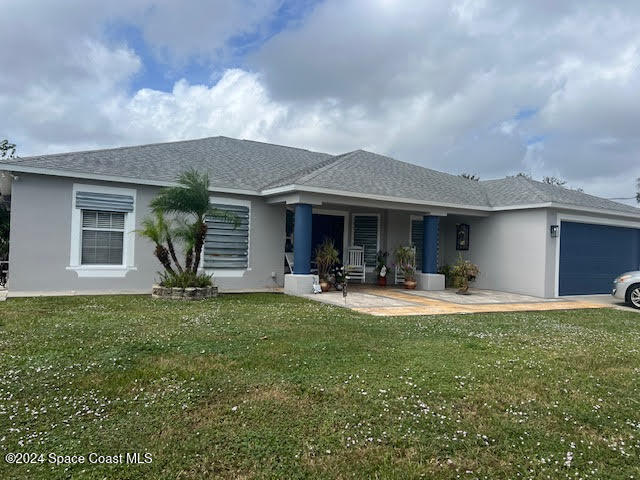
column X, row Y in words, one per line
column 398, row 273
column 288, row 259
column 356, row 267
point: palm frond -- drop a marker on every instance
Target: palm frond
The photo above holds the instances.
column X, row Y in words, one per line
column 185, row 233
column 223, row 215
column 152, row 230
column 190, row 197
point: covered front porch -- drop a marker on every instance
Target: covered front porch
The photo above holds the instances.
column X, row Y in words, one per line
column 367, row 223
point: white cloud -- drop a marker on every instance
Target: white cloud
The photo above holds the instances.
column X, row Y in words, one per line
column 432, row 83
column 237, row 105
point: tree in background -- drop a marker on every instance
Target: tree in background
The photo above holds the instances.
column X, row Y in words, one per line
column 557, row 181
column 638, row 188
column 4, row 231
column 470, row 176
column 524, row 175
column 7, row 150
column 554, row 181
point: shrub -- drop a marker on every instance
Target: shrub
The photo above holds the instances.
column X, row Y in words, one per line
column 326, row 257
column 464, row 272
column 406, row 261
column 185, row 279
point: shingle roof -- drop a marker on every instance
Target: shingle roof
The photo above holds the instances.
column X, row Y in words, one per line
column 372, row 174
column 513, row 191
column 231, row 163
column 256, row 166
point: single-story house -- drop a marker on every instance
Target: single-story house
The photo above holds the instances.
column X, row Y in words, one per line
column 74, row 216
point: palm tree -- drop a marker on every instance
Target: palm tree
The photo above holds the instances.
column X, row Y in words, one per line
column 190, row 198
column 184, row 232
column 155, row 229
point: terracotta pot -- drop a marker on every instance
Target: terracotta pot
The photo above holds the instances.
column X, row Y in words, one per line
column 324, row 285
column 382, row 281
column 410, row 284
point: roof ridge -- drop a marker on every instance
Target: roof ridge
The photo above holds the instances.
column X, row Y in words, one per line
column 111, row 149
column 303, row 172
column 404, row 162
column 540, row 194
column 189, row 140
column 272, row 144
column 485, row 192
column 335, row 160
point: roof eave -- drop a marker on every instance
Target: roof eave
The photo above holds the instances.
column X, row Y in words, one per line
column 8, row 167
column 304, row 188
column 385, row 198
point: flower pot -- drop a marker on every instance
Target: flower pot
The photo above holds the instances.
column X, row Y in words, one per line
column 324, row 285
column 382, row 281
column 410, row 284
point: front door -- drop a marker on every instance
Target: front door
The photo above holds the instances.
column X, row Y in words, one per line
column 327, row 226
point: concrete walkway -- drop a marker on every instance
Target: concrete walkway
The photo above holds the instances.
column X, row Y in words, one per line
column 390, row 301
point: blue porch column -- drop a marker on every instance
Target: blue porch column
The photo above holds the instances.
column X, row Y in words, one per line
column 302, row 239
column 430, row 244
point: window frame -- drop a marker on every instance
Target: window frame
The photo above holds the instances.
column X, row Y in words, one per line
column 128, row 238
column 230, row 272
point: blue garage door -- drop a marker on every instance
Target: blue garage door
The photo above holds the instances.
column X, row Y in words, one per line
column 591, row 256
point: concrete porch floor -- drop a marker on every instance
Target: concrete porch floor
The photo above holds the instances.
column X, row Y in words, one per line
column 389, row 301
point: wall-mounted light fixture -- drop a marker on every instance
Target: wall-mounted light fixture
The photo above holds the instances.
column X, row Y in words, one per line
column 554, row 231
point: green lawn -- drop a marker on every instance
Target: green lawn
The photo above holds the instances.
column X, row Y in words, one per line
column 269, row 386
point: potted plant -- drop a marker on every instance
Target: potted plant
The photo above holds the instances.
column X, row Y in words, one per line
column 338, row 277
column 464, row 272
column 381, row 267
column 406, row 262
column 326, row 257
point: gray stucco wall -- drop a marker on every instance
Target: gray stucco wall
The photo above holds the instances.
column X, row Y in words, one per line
column 513, row 249
column 510, row 249
column 41, row 241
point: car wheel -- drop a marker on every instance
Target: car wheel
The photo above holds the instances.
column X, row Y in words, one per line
column 633, row 295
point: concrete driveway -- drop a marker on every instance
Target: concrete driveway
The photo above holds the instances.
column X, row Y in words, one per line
column 606, row 300
column 389, row 301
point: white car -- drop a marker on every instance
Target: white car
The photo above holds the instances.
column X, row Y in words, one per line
column 627, row 287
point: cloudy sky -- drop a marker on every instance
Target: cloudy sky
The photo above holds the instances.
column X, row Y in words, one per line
column 487, row 87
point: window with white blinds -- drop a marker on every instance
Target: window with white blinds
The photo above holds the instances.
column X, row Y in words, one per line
column 365, row 234
column 102, row 237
